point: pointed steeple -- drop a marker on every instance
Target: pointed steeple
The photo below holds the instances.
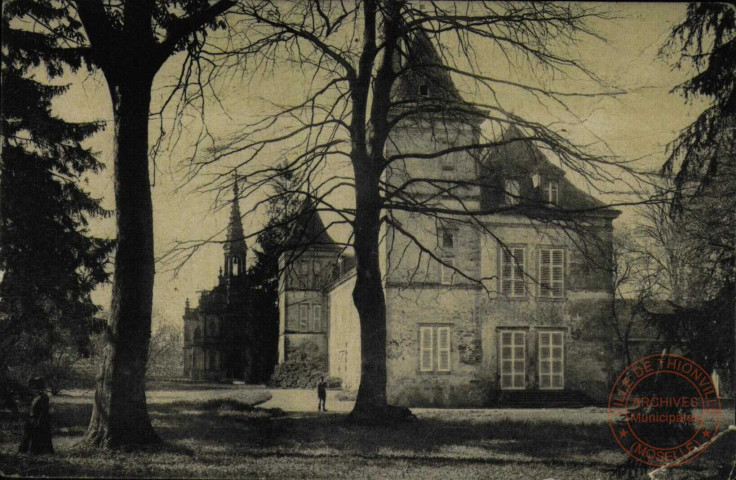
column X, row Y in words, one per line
column 234, row 247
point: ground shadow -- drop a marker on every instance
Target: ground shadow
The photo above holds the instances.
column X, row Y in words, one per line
column 219, row 431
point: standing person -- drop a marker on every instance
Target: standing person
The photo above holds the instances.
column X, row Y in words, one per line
column 37, row 429
column 322, row 394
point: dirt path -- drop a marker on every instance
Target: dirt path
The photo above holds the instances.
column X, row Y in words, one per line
column 303, row 400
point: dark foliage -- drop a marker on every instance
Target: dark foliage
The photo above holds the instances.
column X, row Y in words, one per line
column 702, row 333
column 303, row 369
column 706, row 39
column 50, row 261
column 263, row 276
column 704, row 158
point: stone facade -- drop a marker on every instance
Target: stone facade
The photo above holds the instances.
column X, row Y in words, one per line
column 344, row 332
column 517, row 301
column 308, row 267
column 220, row 334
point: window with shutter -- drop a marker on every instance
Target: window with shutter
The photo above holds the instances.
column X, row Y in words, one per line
column 551, row 360
column 512, row 271
column 512, row 357
column 426, row 344
column 435, row 348
column 443, row 349
column 512, row 192
column 552, row 272
column 316, row 318
column 303, row 318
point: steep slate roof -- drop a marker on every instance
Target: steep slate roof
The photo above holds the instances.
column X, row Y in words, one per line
column 519, row 160
column 421, row 65
column 308, row 231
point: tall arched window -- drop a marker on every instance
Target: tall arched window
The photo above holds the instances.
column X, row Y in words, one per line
column 236, row 267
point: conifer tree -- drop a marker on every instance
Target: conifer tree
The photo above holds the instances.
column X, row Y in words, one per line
column 703, row 161
column 50, row 262
column 283, row 208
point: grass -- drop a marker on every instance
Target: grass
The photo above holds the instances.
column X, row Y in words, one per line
column 220, row 434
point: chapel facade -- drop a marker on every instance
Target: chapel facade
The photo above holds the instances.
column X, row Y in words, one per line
column 220, row 333
column 514, row 305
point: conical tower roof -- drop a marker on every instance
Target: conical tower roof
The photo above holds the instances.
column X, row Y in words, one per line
column 309, row 232
column 424, row 79
column 235, row 241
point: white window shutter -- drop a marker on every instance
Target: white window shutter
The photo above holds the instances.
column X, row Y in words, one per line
column 303, row 317
column 506, row 272
column 443, row 349
column 316, row 318
column 518, row 272
column 545, row 272
column 426, row 343
column 558, row 273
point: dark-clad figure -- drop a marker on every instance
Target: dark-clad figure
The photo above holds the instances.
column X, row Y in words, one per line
column 37, row 429
column 322, row 394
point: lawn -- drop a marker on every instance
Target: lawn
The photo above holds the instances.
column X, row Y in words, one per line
column 216, row 433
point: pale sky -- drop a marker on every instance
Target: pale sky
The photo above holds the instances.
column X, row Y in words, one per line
column 636, row 125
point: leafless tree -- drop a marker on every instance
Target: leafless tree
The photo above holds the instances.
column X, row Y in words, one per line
column 355, row 59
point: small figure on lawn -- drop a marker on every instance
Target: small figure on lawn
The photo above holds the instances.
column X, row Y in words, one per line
column 322, row 394
column 37, row 428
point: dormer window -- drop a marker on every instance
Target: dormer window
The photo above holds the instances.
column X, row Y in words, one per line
column 551, row 192
column 512, row 191
column 424, row 90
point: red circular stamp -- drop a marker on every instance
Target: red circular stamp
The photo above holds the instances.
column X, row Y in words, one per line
column 664, row 410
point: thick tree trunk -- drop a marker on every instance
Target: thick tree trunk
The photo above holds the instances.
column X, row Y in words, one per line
column 120, row 416
column 371, row 405
column 368, row 296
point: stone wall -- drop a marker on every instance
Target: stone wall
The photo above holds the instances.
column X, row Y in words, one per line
column 409, row 309
column 344, row 334
column 303, row 305
column 476, row 311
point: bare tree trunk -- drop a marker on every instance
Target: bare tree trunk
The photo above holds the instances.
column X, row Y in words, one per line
column 120, row 416
column 129, row 54
column 371, row 405
column 369, row 298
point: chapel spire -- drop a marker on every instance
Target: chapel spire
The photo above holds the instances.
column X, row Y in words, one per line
column 234, row 247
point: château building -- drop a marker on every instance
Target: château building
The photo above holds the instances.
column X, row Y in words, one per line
column 533, row 316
